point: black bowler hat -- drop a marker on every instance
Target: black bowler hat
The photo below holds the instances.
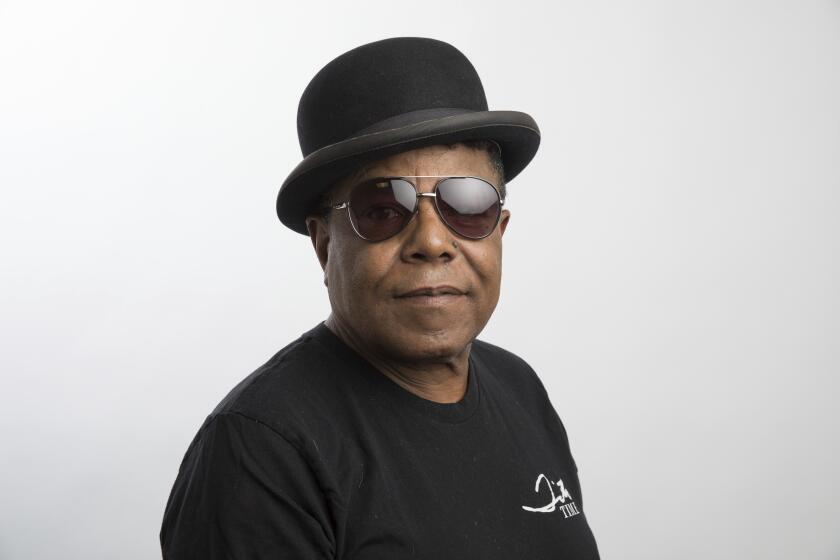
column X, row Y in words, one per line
column 387, row 97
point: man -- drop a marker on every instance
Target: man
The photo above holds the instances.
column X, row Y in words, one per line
column 389, row 431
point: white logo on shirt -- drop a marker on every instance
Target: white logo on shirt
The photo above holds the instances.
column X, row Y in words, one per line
column 568, row 510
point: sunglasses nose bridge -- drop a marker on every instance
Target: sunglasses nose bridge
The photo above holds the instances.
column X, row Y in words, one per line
column 433, row 210
column 433, row 196
column 421, row 195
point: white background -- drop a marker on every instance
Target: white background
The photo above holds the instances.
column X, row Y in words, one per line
column 672, row 266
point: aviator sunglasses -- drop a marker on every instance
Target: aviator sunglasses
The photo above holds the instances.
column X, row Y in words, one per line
column 380, row 208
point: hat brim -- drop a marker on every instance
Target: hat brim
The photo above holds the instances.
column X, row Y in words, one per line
column 516, row 132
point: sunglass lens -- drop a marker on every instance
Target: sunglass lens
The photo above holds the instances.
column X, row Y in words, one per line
column 469, row 205
column 381, row 208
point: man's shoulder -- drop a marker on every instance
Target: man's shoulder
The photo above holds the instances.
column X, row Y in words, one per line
column 512, row 373
column 515, row 383
column 301, row 375
column 501, row 359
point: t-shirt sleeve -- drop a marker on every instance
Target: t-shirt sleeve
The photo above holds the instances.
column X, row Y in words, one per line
column 245, row 491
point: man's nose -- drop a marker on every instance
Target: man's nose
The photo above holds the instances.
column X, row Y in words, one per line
column 428, row 237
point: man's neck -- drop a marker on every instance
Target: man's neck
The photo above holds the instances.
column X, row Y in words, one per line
column 443, row 381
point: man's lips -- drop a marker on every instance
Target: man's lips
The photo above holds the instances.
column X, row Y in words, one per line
column 432, row 291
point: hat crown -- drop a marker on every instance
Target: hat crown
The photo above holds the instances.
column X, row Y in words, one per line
column 382, row 80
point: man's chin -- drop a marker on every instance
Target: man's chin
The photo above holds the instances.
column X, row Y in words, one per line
column 429, row 338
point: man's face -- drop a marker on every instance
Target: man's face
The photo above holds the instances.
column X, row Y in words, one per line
column 367, row 281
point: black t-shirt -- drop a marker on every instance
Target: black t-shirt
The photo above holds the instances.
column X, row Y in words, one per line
column 319, row 455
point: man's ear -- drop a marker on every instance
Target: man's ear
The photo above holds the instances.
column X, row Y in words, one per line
column 504, row 221
column 319, row 234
